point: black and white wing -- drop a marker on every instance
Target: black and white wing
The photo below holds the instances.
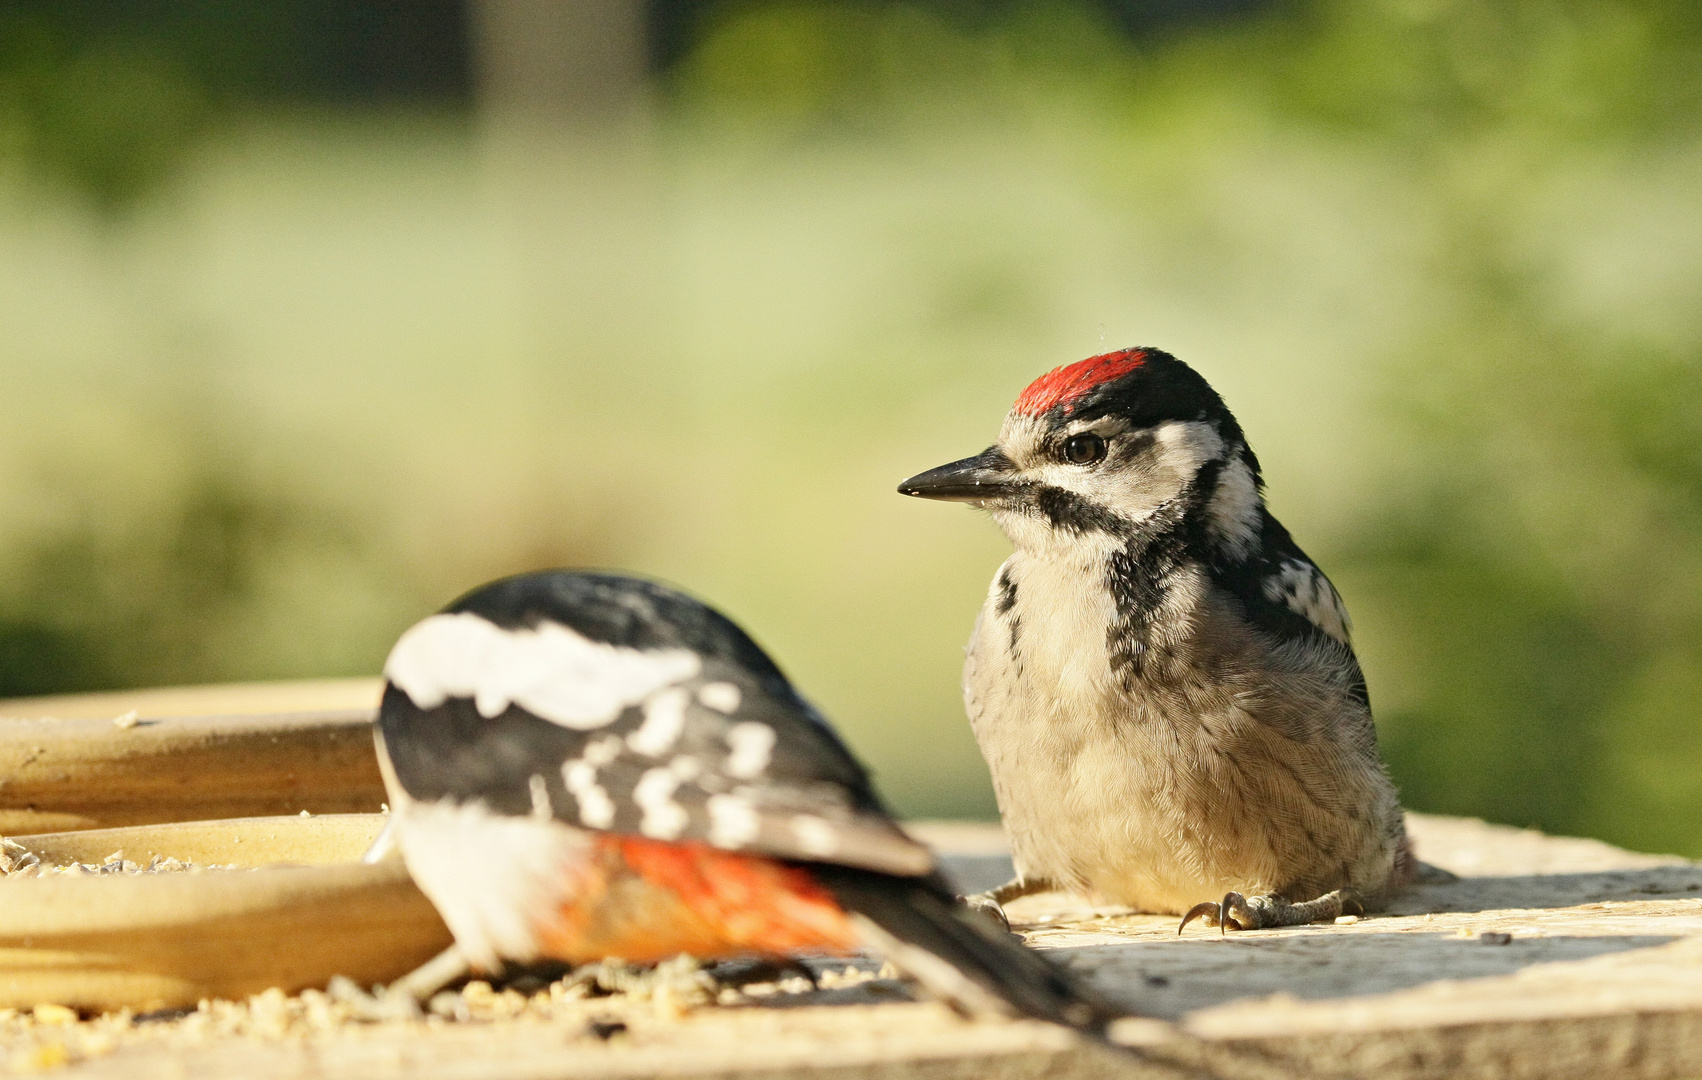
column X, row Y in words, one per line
column 617, row 705
column 1283, row 591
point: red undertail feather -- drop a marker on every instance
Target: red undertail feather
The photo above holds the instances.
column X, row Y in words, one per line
column 646, row 900
column 1062, row 386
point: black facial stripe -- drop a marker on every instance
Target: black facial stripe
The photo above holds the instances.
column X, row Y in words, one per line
column 1126, row 448
column 1204, row 485
column 1066, row 510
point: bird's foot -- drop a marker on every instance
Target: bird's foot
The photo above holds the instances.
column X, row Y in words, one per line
column 984, row 905
column 991, row 904
column 1237, row 912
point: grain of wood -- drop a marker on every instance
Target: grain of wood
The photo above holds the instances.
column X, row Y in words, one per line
column 78, row 772
column 1600, row 977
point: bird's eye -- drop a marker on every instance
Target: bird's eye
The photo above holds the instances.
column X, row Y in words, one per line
column 1084, row 449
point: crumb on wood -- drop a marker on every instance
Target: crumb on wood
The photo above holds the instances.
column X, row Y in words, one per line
column 595, row 1002
column 18, row 861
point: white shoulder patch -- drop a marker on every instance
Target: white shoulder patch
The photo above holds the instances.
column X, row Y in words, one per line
column 1309, row 594
column 551, row 671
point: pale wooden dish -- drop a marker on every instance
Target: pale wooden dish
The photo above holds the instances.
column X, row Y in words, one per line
column 189, row 753
column 154, row 941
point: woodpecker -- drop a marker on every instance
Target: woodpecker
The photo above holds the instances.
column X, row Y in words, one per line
column 583, row 766
column 1161, row 681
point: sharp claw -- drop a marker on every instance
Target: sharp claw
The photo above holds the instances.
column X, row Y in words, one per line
column 1235, row 911
column 1351, row 902
column 984, row 905
column 1207, row 910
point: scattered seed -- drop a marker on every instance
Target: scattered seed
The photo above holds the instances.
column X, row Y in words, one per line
column 49, row 1013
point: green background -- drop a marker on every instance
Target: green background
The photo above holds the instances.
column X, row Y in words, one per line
column 293, row 354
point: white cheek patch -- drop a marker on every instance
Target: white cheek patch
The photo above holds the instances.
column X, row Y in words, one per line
column 664, row 719
column 664, row 819
column 733, row 821
column 550, row 671
column 1309, row 594
column 1185, row 445
column 1233, row 513
column 752, row 744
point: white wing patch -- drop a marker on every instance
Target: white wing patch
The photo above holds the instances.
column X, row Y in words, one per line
column 752, row 744
column 816, row 836
column 664, row 819
column 596, row 809
column 733, row 821
column 1311, row 596
column 551, row 671
column 664, row 720
column 723, row 697
column 541, row 808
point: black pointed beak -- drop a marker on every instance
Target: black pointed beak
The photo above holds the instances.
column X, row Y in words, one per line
column 986, row 476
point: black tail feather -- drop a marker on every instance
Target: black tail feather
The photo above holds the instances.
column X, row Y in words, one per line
column 922, row 919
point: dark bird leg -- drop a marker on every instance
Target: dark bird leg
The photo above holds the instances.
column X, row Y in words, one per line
column 992, row 902
column 1237, row 912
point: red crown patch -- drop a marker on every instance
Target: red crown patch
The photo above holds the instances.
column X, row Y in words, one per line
column 1062, row 386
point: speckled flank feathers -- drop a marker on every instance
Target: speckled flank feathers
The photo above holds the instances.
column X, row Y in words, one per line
column 586, row 765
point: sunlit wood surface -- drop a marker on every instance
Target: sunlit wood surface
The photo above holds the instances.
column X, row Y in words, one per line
column 139, row 757
column 1548, row 957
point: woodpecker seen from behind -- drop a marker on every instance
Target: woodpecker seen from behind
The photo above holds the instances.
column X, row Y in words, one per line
column 1161, row 681
column 584, row 766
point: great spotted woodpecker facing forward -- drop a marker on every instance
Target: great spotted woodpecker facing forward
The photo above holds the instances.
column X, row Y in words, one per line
column 1161, row 681
column 584, row 766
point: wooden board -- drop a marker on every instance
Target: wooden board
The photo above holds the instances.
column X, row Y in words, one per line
column 105, row 941
column 215, row 699
column 192, row 753
column 1600, row 979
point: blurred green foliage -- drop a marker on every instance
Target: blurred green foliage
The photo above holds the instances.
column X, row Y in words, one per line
column 109, row 98
column 111, row 121
column 1442, row 256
